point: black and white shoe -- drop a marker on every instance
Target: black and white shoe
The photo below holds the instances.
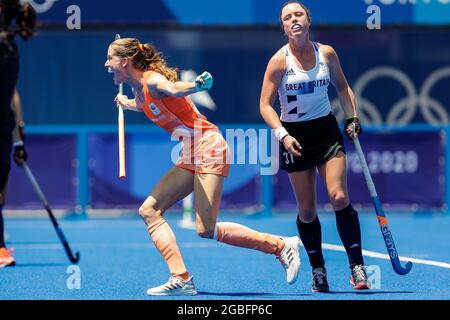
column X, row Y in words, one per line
column 319, row 280
column 174, row 287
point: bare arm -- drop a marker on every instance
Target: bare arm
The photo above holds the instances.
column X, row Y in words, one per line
column 20, row 154
column 352, row 126
column 17, row 136
column 16, row 107
column 345, row 93
column 272, row 79
column 123, row 102
column 160, row 87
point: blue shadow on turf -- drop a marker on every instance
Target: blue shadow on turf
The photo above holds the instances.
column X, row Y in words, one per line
column 11, row 243
column 249, row 294
column 34, row 265
column 365, row 292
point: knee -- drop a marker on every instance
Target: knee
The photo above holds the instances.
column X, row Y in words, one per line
column 307, row 215
column 206, row 232
column 149, row 213
column 339, row 199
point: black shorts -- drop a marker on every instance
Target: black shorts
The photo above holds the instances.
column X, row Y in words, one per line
column 321, row 140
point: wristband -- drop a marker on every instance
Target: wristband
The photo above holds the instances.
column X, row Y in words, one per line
column 280, row 133
column 18, row 144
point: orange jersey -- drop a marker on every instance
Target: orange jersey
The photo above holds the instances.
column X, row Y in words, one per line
column 172, row 113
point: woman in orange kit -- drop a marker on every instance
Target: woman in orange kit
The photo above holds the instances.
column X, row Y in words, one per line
column 201, row 168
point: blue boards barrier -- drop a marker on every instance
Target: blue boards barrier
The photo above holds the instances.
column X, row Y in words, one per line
column 78, row 169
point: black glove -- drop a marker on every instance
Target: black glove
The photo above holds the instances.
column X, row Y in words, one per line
column 20, row 155
column 349, row 124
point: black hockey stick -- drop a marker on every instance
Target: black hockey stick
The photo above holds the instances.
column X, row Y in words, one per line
column 73, row 258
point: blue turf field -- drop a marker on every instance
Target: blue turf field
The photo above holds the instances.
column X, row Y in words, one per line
column 118, row 260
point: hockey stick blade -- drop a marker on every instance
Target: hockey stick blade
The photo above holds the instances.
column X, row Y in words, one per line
column 389, row 241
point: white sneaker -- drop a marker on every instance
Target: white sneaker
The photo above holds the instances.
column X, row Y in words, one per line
column 174, row 287
column 290, row 258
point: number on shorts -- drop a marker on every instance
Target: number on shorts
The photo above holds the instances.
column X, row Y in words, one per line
column 289, row 158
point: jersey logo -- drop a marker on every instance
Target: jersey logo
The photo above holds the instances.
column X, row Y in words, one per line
column 154, row 109
column 296, row 111
column 290, row 72
column 291, row 98
column 293, row 111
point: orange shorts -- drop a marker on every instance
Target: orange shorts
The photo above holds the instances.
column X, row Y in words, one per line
column 208, row 153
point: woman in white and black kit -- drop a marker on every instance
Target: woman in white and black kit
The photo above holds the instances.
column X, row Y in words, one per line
column 310, row 139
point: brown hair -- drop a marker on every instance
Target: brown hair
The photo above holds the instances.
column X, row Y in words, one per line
column 308, row 13
column 144, row 57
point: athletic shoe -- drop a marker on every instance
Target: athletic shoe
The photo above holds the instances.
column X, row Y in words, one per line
column 290, row 258
column 359, row 279
column 174, row 287
column 319, row 280
column 6, row 259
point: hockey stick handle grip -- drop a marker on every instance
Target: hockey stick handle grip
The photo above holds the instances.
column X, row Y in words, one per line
column 121, row 124
column 121, row 133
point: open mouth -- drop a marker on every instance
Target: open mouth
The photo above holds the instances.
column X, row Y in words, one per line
column 111, row 71
column 296, row 27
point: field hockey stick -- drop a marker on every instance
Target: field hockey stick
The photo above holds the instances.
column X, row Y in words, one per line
column 121, row 141
column 382, row 220
column 73, row 258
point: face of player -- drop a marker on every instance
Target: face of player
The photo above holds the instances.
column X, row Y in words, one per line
column 116, row 66
column 295, row 20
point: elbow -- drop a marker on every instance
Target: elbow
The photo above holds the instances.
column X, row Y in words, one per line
column 178, row 94
column 171, row 91
column 261, row 112
column 264, row 109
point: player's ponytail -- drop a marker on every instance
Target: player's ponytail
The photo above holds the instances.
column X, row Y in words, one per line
column 144, row 57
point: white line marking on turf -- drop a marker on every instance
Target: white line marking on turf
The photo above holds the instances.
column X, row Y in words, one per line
column 383, row 256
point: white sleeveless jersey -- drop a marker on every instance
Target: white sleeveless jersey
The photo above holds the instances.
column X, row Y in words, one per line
column 304, row 94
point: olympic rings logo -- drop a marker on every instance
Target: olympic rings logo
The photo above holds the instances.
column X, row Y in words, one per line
column 405, row 109
column 413, row 2
column 41, row 7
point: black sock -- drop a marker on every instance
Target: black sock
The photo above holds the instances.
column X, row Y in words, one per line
column 2, row 229
column 311, row 235
column 349, row 230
